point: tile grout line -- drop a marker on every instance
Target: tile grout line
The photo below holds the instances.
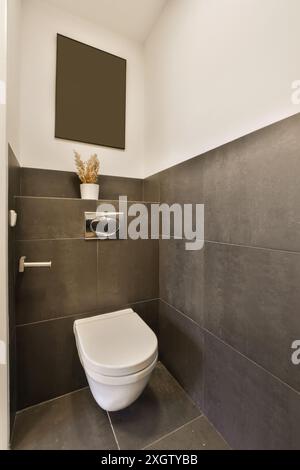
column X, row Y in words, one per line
column 216, row 430
column 113, row 431
column 252, row 247
column 182, row 389
column 203, row 374
column 84, row 200
column 27, row 240
column 12, row 434
column 92, row 313
column 98, row 271
column 173, row 432
column 166, row 238
column 51, row 400
column 232, row 348
column 51, row 239
column 237, row 245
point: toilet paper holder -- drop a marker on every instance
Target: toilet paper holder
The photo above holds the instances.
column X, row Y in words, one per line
column 24, row 265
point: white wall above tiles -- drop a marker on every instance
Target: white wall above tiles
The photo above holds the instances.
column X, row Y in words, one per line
column 40, row 23
column 210, row 71
column 217, row 70
column 14, row 18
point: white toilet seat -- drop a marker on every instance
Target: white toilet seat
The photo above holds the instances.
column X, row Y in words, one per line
column 123, row 379
column 118, row 352
column 117, row 344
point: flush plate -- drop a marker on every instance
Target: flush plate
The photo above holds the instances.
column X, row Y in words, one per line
column 102, row 225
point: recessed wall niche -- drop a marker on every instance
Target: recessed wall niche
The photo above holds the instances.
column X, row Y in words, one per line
column 90, row 95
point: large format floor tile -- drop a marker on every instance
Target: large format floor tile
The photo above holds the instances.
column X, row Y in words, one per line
column 162, row 408
column 72, row 422
column 199, row 434
column 164, row 417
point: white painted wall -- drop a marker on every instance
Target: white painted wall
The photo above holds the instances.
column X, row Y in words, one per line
column 40, row 24
column 212, row 71
column 13, row 74
column 4, row 403
column 217, row 70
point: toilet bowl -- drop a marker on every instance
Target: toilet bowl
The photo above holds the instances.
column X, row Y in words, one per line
column 118, row 352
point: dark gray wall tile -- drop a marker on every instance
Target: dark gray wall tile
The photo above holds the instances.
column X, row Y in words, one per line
column 197, row 435
column 134, row 207
column 48, row 363
column 127, row 271
column 152, row 188
column 181, row 278
column 251, row 188
column 65, row 184
column 14, row 178
column 162, row 407
column 59, row 425
column 183, row 183
column 148, row 311
column 68, row 288
column 252, row 299
column 111, row 187
column 251, row 408
column 51, row 218
column 181, row 350
column 49, row 183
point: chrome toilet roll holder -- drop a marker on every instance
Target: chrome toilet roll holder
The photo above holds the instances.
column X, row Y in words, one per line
column 23, row 264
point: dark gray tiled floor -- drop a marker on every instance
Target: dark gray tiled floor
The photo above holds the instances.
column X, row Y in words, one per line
column 163, row 407
column 163, row 416
column 71, row 422
column 199, row 434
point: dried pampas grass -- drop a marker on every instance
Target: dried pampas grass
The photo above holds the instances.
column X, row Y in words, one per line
column 87, row 171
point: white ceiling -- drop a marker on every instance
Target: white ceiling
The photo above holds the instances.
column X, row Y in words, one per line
column 132, row 18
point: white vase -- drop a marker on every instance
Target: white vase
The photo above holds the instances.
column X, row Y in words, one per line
column 89, row 191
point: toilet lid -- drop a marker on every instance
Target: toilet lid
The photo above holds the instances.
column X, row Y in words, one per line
column 115, row 344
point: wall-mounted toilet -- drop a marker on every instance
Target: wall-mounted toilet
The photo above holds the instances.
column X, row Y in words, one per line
column 118, row 352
